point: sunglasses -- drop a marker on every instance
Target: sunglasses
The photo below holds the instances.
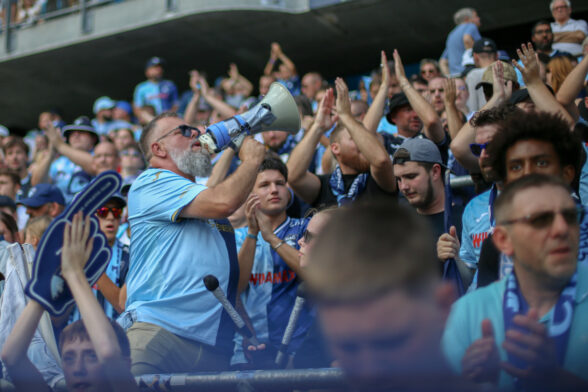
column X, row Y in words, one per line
column 185, row 131
column 476, row 148
column 103, row 212
column 307, row 236
column 542, row 220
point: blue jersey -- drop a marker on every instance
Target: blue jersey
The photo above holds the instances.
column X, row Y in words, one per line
column 584, row 179
column 171, row 255
column 68, row 177
column 162, row 95
column 475, row 228
column 270, row 297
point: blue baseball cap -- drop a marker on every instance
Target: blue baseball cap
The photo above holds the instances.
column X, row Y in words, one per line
column 155, row 61
column 124, row 105
column 103, row 103
column 42, row 194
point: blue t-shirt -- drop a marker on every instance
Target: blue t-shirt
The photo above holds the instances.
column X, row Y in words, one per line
column 171, row 255
column 584, row 179
column 454, row 47
column 162, row 95
column 270, row 297
column 68, row 177
column 464, row 327
column 475, row 228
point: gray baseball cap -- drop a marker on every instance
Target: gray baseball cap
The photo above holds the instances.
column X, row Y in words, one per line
column 417, row 150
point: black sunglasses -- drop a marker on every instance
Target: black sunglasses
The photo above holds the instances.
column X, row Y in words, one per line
column 476, row 148
column 307, row 236
column 185, row 131
column 541, row 220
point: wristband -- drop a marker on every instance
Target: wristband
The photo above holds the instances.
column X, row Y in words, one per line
column 278, row 245
column 252, row 236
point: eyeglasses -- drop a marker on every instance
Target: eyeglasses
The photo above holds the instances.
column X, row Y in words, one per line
column 185, row 131
column 544, row 219
column 560, row 7
column 103, row 212
column 130, row 153
column 546, row 31
column 476, row 148
column 307, row 236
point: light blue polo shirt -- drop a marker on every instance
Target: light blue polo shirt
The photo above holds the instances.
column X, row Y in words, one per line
column 464, row 326
column 171, row 255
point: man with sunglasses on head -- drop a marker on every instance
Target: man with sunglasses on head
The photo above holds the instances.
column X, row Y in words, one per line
column 528, row 330
column 180, row 235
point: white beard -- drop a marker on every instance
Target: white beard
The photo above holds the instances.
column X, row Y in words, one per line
column 194, row 163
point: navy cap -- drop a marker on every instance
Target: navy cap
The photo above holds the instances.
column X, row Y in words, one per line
column 6, row 201
column 397, row 101
column 484, row 45
column 81, row 123
column 42, row 194
column 117, row 198
column 155, row 61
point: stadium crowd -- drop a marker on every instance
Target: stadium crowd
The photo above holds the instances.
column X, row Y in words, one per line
column 410, row 282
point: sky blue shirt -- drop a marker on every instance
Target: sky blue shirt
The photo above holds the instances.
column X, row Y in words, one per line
column 68, row 177
column 464, row 326
column 475, row 229
column 171, row 255
column 162, row 95
column 454, row 47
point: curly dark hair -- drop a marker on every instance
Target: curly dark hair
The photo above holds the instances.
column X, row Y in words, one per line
column 493, row 116
column 539, row 126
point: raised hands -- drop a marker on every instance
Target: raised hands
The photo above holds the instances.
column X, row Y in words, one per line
column 450, row 91
column 233, row 71
column 251, row 205
column 76, row 248
column 501, row 91
column 385, row 69
column 399, row 68
column 481, row 362
column 194, row 82
column 324, row 118
column 343, row 104
column 530, row 68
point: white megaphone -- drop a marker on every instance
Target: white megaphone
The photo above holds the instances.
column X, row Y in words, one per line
column 277, row 111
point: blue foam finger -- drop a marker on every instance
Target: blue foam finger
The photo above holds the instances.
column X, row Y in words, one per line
column 46, row 285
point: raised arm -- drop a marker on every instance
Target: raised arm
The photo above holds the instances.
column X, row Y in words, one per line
column 74, row 255
column 221, row 200
column 221, row 168
column 247, row 251
column 237, row 81
column 79, row 157
column 431, row 122
column 454, row 116
column 192, row 108
column 376, row 110
column 221, row 106
column 304, row 183
column 539, row 93
column 573, row 83
column 40, row 171
column 110, row 291
column 368, row 143
column 460, row 145
column 24, row 375
column 283, row 58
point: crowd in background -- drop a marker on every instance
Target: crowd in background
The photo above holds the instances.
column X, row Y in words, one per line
column 374, row 164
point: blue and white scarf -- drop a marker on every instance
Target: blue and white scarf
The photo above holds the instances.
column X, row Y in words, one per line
column 514, row 303
column 338, row 186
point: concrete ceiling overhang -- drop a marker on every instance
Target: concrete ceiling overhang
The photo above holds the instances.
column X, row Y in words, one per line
column 339, row 39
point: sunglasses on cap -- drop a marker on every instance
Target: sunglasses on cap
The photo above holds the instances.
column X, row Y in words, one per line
column 103, row 212
column 544, row 219
column 185, row 131
column 476, row 148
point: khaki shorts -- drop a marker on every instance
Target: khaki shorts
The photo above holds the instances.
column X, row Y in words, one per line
column 154, row 350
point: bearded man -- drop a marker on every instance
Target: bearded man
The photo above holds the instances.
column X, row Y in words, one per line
column 180, row 235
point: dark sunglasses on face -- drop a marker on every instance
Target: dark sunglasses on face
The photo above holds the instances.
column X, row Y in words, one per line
column 185, row 131
column 103, row 212
column 476, row 148
column 307, row 236
column 541, row 220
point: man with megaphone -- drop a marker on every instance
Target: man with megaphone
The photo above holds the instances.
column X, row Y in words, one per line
column 364, row 168
column 181, row 234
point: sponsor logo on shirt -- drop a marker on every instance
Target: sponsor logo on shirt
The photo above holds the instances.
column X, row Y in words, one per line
column 272, row 277
column 478, row 238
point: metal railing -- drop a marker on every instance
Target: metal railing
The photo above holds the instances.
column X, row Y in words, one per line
column 250, row 381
